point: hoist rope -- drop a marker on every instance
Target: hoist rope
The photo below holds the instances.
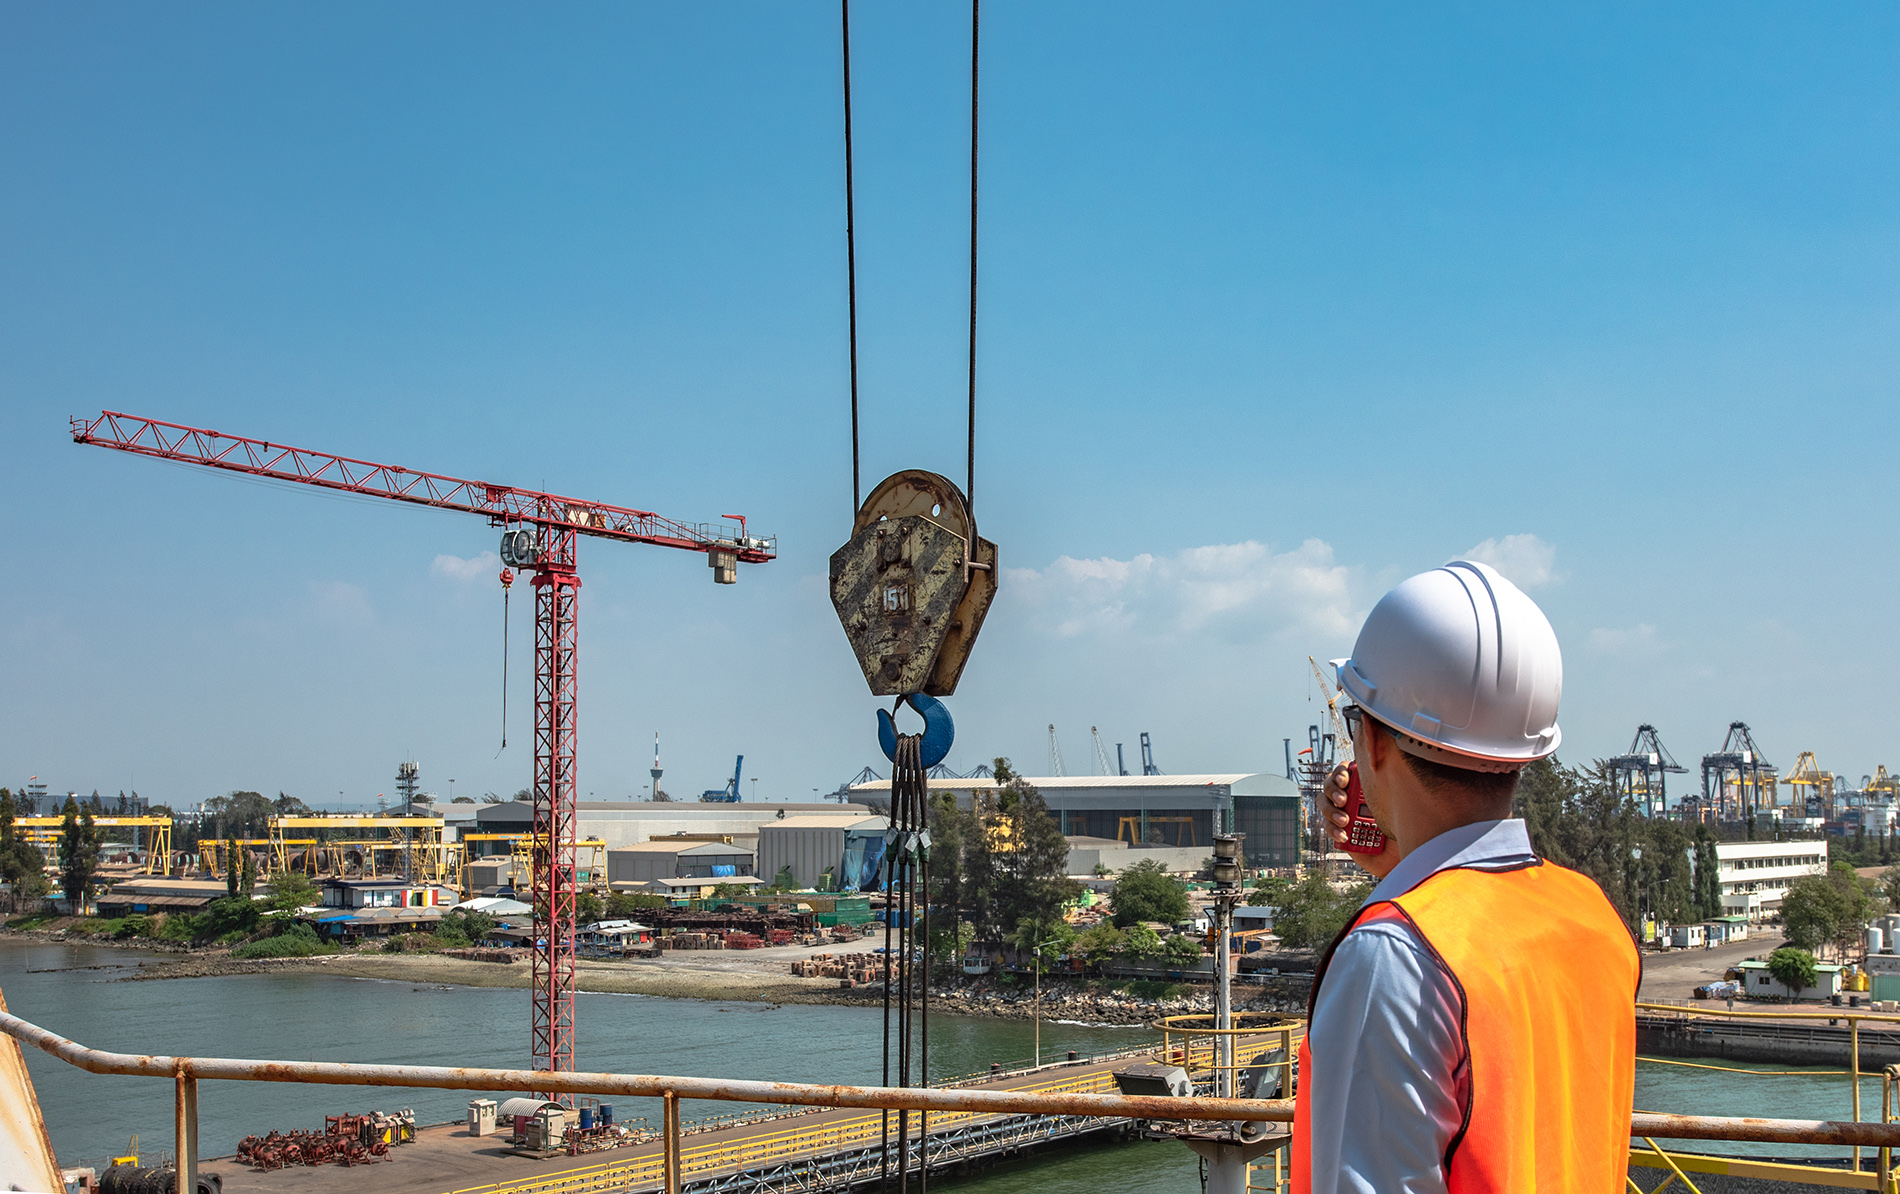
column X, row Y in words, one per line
column 851, row 259
column 504, row 670
column 969, row 485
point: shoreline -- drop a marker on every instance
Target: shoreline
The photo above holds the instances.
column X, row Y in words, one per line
column 712, row 976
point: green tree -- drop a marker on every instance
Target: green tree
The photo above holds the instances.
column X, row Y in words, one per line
column 1145, row 891
column 240, row 814
column 1708, row 877
column 1182, row 949
column 953, row 831
column 461, row 926
column 79, row 842
column 247, row 881
column 1055, row 940
column 1018, row 863
column 626, row 905
column 1793, row 969
column 1143, row 943
column 729, row 891
column 1812, row 912
column 292, row 890
column 1310, row 913
column 1856, row 903
column 1100, row 945
column 233, row 870
column 21, row 863
column 588, row 908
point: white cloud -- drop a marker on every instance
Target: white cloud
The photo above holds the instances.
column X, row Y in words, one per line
column 1636, row 641
column 486, row 564
column 1525, row 560
column 1231, row 590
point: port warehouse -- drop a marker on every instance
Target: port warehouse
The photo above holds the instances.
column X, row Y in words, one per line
column 1171, row 812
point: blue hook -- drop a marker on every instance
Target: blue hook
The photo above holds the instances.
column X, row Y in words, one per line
column 939, row 730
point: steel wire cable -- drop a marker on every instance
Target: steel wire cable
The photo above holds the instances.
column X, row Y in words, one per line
column 851, row 258
column 969, row 485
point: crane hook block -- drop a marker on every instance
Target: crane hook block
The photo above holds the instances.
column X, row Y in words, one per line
column 913, row 585
column 939, row 730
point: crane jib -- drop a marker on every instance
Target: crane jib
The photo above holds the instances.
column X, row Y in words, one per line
column 501, row 504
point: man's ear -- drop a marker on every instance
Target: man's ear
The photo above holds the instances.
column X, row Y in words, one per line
column 1378, row 744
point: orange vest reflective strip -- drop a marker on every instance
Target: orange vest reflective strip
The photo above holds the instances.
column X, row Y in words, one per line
column 1547, row 975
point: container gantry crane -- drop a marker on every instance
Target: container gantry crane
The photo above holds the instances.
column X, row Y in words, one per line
column 540, row 532
column 1643, row 771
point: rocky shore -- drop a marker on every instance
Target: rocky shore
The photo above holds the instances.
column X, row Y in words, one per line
column 750, row 976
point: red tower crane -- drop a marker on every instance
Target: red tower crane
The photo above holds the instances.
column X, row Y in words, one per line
column 539, row 533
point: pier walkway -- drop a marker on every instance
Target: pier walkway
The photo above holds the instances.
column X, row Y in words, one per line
column 809, row 1149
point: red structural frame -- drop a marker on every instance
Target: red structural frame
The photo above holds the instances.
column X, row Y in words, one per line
column 558, row 522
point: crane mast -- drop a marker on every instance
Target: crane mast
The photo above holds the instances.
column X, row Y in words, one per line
column 1342, row 741
column 541, row 534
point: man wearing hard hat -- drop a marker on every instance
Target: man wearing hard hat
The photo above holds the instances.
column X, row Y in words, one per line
column 1473, row 1027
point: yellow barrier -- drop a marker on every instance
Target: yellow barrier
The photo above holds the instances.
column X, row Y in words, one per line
column 747, row 1152
column 1774, row 1171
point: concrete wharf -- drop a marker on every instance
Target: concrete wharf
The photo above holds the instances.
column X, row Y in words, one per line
column 808, row 1150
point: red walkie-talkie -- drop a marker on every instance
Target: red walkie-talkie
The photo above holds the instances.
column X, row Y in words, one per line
column 1363, row 836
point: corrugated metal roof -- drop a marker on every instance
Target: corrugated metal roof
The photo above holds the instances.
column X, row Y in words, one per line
column 847, row 821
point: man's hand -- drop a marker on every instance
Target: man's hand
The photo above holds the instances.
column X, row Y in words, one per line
column 1339, row 822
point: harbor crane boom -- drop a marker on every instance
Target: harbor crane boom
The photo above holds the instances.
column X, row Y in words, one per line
column 540, row 532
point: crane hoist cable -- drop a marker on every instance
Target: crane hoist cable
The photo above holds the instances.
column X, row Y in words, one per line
column 851, row 256
column 911, row 588
column 507, row 585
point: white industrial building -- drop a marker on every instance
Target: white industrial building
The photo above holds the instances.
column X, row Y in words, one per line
column 1754, row 876
column 1179, row 812
column 628, row 822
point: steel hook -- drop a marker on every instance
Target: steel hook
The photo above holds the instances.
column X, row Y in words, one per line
column 939, row 730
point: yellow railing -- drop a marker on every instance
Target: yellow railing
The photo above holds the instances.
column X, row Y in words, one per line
column 837, row 1135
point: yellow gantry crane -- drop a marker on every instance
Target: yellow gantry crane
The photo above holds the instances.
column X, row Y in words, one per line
column 417, row 843
column 45, row 831
column 1812, row 786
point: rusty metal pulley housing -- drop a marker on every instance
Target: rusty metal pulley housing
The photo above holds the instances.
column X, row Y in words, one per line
column 913, row 585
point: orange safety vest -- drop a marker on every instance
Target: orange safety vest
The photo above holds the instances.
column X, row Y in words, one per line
column 1547, row 976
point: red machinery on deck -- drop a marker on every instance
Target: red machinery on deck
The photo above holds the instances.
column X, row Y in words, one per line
column 540, row 533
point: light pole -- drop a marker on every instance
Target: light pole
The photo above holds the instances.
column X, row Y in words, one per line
column 1036, row 951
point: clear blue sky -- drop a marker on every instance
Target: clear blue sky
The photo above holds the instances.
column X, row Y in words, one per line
column 1280, row 305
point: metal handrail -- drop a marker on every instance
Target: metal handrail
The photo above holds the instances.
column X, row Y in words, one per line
column 188, row 1071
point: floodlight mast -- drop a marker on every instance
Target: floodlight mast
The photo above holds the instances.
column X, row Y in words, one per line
column 552, row 526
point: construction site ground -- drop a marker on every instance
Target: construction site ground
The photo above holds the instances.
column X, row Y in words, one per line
column 1673, row 975
column 446, row 1158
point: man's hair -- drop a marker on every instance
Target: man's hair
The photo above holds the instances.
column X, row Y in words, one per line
column 1485, row 787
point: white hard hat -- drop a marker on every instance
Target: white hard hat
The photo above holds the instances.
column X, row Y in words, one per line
column 1464, row 666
